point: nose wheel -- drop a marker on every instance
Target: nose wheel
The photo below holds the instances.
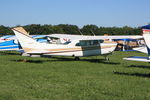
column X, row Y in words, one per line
column 106, row 58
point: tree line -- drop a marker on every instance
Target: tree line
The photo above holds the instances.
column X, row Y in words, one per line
column 73, row 29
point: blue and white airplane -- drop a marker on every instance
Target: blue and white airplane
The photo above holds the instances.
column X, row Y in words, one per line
column 7, row 38
column 10, row 42
column 144, row 49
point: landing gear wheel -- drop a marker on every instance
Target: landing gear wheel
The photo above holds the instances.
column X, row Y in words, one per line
column 77, row 58
column 107, row 58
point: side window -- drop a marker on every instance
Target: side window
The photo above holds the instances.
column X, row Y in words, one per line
column 78, row 44
column 82, row 43
column 88, row 43
column 101, row 41
column 95, row 42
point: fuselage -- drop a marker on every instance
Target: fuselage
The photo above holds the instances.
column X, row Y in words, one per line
column 75, row 48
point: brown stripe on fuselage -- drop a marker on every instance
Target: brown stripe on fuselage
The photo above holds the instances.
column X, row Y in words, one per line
column 86, row 48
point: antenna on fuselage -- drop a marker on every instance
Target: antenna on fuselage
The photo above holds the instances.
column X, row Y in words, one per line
column 80, row 32
column 93, row 33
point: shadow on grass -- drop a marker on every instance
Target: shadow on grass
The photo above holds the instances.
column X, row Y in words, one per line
column 9, row 53
column 139, row 66
column 56, row 59
column 29, row 61
column 100, row 61
column 87, row 60
column 133, row 74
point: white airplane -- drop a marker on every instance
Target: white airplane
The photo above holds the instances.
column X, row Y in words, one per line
column 144, row 49
column 78, row 45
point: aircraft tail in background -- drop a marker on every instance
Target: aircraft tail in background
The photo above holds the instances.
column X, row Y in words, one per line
column 146, row 35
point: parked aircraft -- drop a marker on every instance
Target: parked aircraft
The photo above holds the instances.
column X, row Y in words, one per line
column 77, row 46
column 7, row 38
column 144, row 49
column 11, row 43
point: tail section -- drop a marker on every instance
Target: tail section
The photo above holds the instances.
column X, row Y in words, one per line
column 24, row 39
column 146, row 35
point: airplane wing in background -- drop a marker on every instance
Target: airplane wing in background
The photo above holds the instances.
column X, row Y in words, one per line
column 137, row 58
column 142, row 49
column 146, row 49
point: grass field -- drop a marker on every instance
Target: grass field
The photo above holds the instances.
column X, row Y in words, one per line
column 62, row 78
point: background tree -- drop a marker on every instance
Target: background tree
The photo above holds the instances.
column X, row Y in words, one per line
column 34, row 29
column 90, row 29
column 73, row 29
column 120, row 30
column 57, row 29
column 69, row 29
column 5, row 30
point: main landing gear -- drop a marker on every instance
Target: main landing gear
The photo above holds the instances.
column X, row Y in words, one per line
column 77, row 58
column 106, row 58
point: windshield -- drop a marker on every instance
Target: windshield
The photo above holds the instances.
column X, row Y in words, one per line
column 60, row 41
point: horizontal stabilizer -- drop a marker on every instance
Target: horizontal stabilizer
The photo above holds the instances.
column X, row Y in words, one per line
column 136, row 58
column 141, row 49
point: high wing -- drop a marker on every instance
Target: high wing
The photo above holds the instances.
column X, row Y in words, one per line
column 142, row 49
column 74, row 37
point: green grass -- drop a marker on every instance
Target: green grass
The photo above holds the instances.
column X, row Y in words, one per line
column 62, row 78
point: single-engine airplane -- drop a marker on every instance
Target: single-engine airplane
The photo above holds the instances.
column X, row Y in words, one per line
column 78, row 45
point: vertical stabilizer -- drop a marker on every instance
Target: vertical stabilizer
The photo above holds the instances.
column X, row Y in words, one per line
column 21, row 29
column 23, row 37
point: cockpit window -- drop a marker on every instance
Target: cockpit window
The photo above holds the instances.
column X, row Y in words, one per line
column 88, row 43
column 95, row 42
column 67, row 42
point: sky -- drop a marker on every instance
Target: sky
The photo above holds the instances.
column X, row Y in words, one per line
column 107, row 13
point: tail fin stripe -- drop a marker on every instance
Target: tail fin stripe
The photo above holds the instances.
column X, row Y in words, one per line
column 23, row 33
column 147, row 30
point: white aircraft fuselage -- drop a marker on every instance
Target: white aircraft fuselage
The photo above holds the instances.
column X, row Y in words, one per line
column 71, row 49
column 78, row 47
